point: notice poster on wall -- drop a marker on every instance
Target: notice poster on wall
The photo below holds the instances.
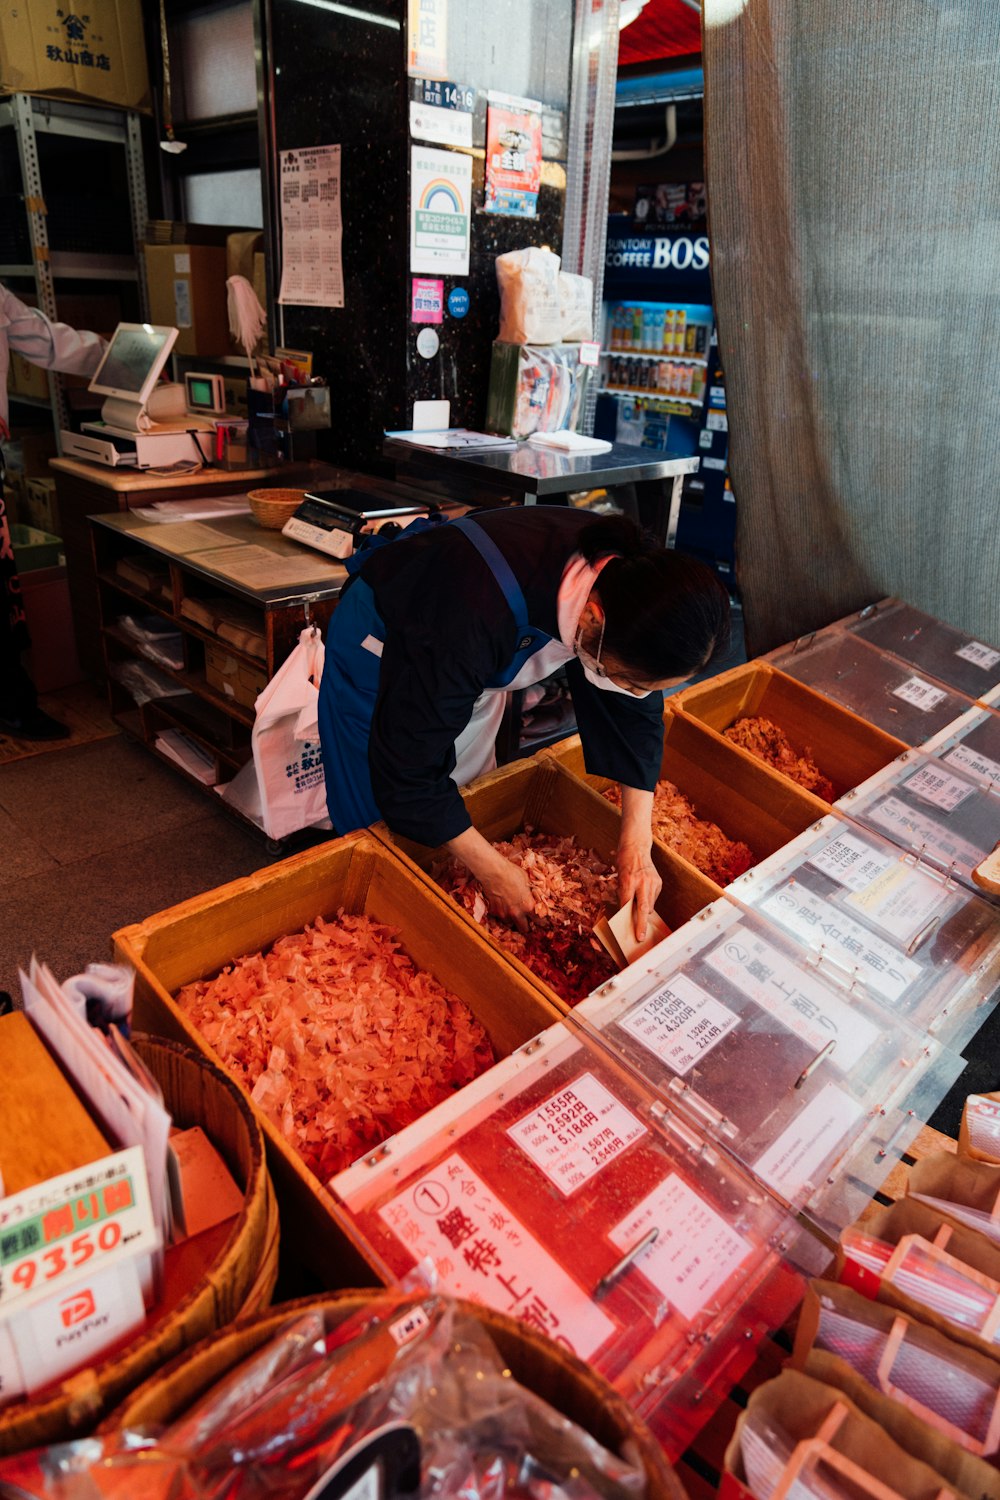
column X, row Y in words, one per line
column 440, row 196
column 312, row 272
column 513, row 156
column 427, row 38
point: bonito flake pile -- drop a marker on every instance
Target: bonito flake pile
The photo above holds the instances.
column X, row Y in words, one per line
column 339, row 1037
column 771, row 745
column 676, row 824
column 573, row 889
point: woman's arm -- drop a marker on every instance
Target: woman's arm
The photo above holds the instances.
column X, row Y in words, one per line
column 637, row 876
column 505, row 883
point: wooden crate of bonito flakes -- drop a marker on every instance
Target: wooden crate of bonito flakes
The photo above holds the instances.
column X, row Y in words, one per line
column 359, row 875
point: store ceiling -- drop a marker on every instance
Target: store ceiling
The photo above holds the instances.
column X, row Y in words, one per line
column 664, row 28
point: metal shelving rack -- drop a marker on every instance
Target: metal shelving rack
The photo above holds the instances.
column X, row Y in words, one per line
column 30, row 118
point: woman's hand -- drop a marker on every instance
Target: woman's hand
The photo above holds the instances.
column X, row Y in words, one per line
column 504, row 884
column 638, row 880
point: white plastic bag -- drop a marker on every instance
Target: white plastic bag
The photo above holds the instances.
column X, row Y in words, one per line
column 529, row 296
column 287, row 762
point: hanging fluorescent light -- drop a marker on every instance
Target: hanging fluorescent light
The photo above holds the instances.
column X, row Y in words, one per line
column 354, row 13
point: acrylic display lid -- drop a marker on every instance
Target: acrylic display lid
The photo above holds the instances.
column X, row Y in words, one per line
column 943, row 816
column 813, row 1091
column 878, row 687
column 882, row 924
column 937, row 650
column 530, row 1189
column 971, row 744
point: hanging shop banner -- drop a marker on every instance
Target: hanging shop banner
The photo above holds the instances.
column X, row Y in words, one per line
column 440, row 195
column 513, row 156
column 427, row 301
column 312, row 271
column 441, row 112
column 427, row 38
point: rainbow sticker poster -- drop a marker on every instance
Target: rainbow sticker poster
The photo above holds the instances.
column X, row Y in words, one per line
column 440, row 198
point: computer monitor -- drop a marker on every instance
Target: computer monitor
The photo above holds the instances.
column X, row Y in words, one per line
column 133, row 361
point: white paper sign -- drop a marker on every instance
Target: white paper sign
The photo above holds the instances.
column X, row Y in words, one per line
column 903, row 902
column 924, row 833
column 800, row 1002
column 312, row 272
column 680, row 1023
column 71, row 1327
column 979, row 655
column 820, row 924
column 440, row 203
column 446, row 127
column 974, row 761
column 931, row 784
column 694, row 1253
column 11, row 1379
column 851, row 861
column 791, row 1162
column 576, row 1132
column 920, row 693
column 717, row 421
column 482, row 1251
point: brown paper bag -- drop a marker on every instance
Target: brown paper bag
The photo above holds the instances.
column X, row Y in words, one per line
column 802, row 1406
column 973, row 1252
column 961, row 1182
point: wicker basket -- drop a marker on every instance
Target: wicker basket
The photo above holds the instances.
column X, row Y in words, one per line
column 242, row 1276
column 542, row 1366
column 272, row 508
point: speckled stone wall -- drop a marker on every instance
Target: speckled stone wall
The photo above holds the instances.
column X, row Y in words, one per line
column 341, row 78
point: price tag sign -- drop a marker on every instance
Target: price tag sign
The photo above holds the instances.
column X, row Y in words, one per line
column 72, row 1226
column 968, row 759
column 979, row 655
column 576, row 1132
column 921, row 694
column 590, row 353
column 931, row 784
column 680, row 1023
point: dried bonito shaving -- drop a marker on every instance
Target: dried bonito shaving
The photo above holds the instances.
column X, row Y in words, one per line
column 676, row 824
column 340, row 1039
column 573, row 888
column 770, row 744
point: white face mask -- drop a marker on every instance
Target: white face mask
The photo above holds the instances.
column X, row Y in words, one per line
column 595, row 674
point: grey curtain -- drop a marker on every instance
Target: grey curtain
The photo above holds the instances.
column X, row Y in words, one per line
column 853, row 162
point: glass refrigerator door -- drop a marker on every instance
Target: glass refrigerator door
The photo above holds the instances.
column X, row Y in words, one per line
column 945, row 817
column 935, row 649
column 879, row 923
column 809, row 1089
column 972, row 745
column 558, row 1189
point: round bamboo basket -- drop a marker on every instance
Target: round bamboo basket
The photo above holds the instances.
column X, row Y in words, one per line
column 272, row 508
column 243, row 1273
column 535, row 1362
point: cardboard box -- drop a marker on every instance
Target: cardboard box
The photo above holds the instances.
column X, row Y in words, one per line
column 241, row 247
column 260, row 278
column 41, row 505
column 96, row 52
column 26, row 379
column 36, row 450
column 187, row 291
column 233, row 677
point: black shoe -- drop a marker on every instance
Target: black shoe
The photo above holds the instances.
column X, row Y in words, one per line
column 33, row 724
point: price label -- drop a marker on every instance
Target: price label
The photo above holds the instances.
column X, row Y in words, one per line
column 73, row 1225
column 821, row 925
column 968, row 759
column 803, row 1148
column 933, row 785
column 979, row 655
column 933, row 839
column 590, row 353
column 680, row 1023
column 576, row 1132
column 852, row 861
column 921, row 694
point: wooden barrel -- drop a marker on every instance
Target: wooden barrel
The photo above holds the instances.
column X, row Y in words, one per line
column 242, row 1274
column 536, row 1362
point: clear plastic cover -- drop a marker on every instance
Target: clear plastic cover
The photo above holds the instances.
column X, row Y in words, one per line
column 878, row 687
column 558, row 1189
column 937, row 812
column 812, row 1090
column 972, row 744
column 880, row 923
column 937, row 650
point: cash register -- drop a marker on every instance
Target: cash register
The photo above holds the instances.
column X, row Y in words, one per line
column 143, row 425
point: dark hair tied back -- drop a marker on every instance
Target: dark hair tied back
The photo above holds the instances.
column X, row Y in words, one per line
column 666, row 614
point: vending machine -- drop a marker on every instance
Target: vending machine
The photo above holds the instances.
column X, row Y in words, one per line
column 661, row 383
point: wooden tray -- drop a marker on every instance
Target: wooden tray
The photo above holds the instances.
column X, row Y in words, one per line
column 846, row 748
column 542, row 794
column 357, row 874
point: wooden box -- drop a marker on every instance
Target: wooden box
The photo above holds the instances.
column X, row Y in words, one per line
column 743, row 797
column 358, row 874
column 541, row 794
column 36, row 1142
column 846, row 748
